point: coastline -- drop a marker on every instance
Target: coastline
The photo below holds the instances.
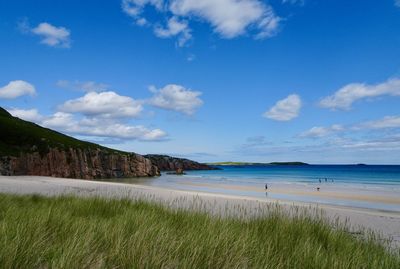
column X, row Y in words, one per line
column 386, row 223
column 326, row 191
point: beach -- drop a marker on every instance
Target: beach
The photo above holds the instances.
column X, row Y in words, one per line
column 384, row 222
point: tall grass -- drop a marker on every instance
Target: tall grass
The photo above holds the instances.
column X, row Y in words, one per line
column 71, row 232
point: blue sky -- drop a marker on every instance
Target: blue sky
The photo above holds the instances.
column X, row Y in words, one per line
column 212, row 80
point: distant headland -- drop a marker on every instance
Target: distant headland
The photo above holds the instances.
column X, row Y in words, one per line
column 256, row 164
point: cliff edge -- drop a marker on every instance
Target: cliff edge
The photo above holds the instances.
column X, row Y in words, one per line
column 29, row 149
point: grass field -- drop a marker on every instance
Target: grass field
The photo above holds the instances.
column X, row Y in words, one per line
column 70, row 232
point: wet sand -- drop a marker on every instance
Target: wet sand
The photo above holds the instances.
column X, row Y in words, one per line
column 386, row 223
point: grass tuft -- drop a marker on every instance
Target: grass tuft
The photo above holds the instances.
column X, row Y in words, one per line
column 71, row 232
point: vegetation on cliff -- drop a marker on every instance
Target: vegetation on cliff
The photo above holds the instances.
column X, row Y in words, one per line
column 18, row 136
column 29, row 149
column 168, row 163
column 68, row 232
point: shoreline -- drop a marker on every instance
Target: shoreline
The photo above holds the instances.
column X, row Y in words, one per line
column 386, row 223
column 326, row 191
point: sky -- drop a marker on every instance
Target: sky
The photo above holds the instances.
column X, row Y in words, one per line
column 211, row 80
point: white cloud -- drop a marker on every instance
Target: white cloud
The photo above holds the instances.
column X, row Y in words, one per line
column 317, row 132
column 141, row 22
column 286, row 109
column 388, row 122
column 86, row 86
column 98, row 127
column 385, row 144
column 268, row 25
column 135, row 7
column 385, row 123
column 175, row 28
column 228, row 18
column 102, row 128
column 17, row 88
column 177, row 98
column 53, row 36
column 347, row 95
column 397, row 3
column 29, row 114
column 59, row 120
column 105, row 104
column 122, row 131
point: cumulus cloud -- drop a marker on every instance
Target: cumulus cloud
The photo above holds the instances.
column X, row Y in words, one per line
column 26, row 114
column 228, row 18
column 90, row 126
column 86, row 86
column 317, row 132
column 101, row 128
column 347, row 95
column 17, row 88
column 177, row 98
column 123, row 131
column 286, row 109
column 59, row 120
column 397, row 3
column 104, row 104
column 51, row 35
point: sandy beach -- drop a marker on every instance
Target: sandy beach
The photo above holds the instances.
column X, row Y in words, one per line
column 386, row 223
column 326, row 191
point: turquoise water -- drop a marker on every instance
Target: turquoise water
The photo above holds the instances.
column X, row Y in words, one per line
column 365, row 180
column 351, row 174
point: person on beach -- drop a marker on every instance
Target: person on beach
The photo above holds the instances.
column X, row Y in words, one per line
column 266, row 186
column 317, row 188
column 319, row 180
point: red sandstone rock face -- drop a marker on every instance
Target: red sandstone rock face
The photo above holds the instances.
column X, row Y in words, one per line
column 77, row 163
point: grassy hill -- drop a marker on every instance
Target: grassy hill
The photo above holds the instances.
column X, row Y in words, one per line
column 22, row 136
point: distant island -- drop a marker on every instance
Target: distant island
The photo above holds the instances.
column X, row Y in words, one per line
column 256, row 164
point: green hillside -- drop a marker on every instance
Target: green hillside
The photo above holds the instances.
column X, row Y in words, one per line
column 17, row 136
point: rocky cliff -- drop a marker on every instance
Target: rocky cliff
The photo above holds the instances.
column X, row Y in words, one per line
column 28, row 149
column 78, row 163
column 168, row 163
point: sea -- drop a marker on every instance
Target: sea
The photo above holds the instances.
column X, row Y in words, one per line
column 371, row 186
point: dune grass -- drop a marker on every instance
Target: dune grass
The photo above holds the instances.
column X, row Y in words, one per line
column 71, row 232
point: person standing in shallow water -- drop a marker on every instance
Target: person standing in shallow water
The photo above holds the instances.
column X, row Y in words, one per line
column 266, row 186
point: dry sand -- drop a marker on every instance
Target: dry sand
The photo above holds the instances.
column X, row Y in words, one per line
column 386, row 223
